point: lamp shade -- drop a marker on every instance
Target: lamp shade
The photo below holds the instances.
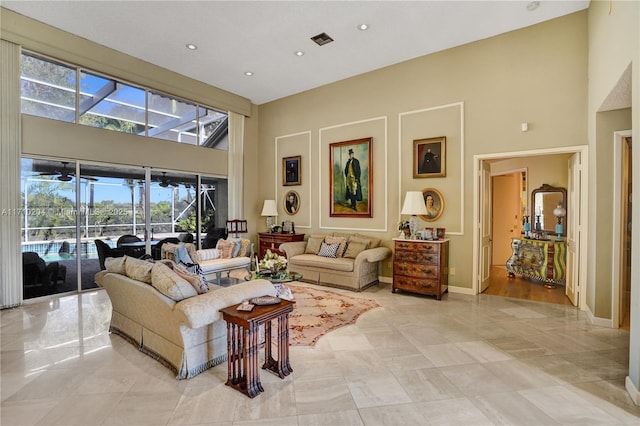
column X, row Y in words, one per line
column 559, row 211
column 269, row 208
column 414, row 204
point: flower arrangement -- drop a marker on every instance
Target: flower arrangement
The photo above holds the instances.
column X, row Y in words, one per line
column 403, row 225
column 273, row 262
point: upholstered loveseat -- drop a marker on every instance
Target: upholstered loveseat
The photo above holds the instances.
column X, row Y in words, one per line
column 349, row 261
column 163, row 314
column 230, row 254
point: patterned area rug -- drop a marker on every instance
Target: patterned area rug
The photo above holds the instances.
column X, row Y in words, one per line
column 317, row 312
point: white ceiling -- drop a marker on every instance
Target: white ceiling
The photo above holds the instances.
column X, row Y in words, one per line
column 262, row 36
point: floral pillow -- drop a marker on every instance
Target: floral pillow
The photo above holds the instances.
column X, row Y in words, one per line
column 226, row 248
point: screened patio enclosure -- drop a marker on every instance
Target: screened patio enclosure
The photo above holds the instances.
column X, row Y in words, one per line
column 68, row 205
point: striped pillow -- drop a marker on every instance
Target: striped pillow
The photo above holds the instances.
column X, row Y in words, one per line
column 328, row 250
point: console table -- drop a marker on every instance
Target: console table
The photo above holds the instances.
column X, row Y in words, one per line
column 541, row 260
column 272, row 240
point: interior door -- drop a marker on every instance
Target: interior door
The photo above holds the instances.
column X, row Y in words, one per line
column 506, row 214
column 484, row 216
column 573, row 229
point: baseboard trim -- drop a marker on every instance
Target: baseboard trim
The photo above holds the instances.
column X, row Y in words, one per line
column 386, row 280
column 600, row 322
column 461, row 290
column 632, row 390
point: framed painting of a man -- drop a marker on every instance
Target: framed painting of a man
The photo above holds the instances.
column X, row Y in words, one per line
column 291, row 171
column 429, row 157
column 351, row 178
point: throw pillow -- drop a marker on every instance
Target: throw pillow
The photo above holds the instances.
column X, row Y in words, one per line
column 354, row 248
column 195, row 279
column 183, row 255
column 170, row 283
column 363, row 240
column 170, row 251
column 374, row 242
column 226, row 248
column 342, row 241
column 328, row 250
column 116, row 264
column 245, row 248
column 139, row 270
column 313, row 244
column 208, row 254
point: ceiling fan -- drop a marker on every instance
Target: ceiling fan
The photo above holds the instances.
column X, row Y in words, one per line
column 65, row 175
column 165, row 181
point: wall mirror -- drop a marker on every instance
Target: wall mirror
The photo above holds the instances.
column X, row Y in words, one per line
column 543, row 201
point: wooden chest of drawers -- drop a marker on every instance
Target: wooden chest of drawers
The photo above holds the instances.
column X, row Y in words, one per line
column 269, row 241
column 421, row 267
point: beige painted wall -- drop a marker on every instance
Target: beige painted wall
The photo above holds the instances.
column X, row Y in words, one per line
column 537, row 74
column 612, row 47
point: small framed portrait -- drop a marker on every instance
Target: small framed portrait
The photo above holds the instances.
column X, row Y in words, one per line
column 434, row 202
column 291, row 173
column 429, row 157
column 440, row 233
column 291, row 202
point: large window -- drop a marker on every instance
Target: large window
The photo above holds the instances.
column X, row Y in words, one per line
column 68, row 206
column 49, row 90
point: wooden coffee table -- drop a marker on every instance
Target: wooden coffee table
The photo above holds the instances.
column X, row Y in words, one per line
column 243, row 345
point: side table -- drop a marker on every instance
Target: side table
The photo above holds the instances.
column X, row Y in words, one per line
column 243, row 345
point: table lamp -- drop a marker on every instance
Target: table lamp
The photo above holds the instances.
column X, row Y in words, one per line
column 414, row 205
column 270, row 210
column 559, row 212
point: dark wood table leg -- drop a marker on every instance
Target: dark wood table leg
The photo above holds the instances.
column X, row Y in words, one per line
column 281, row 367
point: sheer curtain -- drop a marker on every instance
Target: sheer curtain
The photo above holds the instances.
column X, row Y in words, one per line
column 236, row 166
column 10, row 254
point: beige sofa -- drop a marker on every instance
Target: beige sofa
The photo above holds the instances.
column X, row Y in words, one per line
column 355, row 267
column 169, row 321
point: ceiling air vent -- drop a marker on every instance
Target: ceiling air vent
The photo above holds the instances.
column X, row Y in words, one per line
column 322, row 39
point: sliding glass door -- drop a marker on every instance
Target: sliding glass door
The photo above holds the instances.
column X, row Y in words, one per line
column 68, row 207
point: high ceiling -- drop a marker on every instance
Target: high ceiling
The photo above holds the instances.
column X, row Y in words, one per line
column 234, row 37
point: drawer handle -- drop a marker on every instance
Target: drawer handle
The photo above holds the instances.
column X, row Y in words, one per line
column 403, row 245
column 427, row 271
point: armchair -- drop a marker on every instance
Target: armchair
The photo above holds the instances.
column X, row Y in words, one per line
column 105, row 251
column 35, row 271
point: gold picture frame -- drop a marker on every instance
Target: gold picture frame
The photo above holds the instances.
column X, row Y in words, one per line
column 434, row 202
column 291, row 202
column 429, row 157
column 291, row 171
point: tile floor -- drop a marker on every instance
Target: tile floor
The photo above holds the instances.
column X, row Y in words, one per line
column 481, row 360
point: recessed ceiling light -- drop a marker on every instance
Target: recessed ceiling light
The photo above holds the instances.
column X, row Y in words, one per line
column 299, row 53
column 363, row 27
column 191, row 46
column 533, row 5
column 248, row 73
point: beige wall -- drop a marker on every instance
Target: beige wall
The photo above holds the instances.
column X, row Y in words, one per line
column 477, row 95
column 612, row 47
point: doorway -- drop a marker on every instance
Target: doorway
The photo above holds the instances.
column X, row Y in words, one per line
column 483, row 214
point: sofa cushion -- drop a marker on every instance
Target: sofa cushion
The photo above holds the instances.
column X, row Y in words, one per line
column 329, row 250
column 226, row 248
column 196, row 280
column 169, row 283
column 354, row 248
column 208, row 254
column 313, row 244
column 342, row 264
column 242, row 247
column 116, row 264
column 373, row 242
column 138, row 269
column 342, row 241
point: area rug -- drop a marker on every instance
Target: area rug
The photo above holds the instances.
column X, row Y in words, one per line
column 318, row 312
